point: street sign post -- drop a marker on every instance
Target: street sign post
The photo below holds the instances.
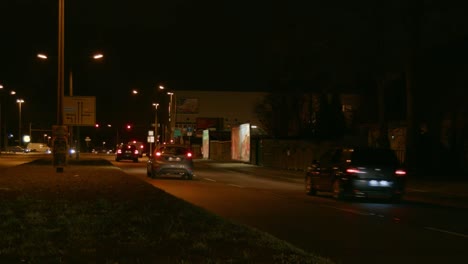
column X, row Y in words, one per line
column 150, row 140
column 60, row 146
column 79, row 110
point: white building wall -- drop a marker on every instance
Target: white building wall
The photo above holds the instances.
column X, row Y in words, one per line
column 234, row 107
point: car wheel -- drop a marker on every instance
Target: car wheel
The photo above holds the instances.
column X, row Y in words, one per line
column 154, row 175
column 396, row 198
column 310, row 190
column 117, row 159
column 337, row 190
column 188, row 176
column 135, row 160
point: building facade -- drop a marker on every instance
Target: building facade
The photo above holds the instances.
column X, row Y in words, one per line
column 195, row 111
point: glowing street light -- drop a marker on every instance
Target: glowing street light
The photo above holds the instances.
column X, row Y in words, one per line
column 42, row 56
column 98, row 56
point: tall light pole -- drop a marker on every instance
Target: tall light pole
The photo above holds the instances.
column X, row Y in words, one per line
column 20, row 140
column 3, row 126
column 96, row 56
column 155, row 125
column 170, row 117
column 160, row 87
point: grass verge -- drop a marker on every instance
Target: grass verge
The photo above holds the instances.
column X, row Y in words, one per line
column 162, row 230
column 98, row 214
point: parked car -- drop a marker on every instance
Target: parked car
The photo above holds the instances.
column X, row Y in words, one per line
column 127, row 152
column 17, row 149
column 171, row 160
column 357, row 173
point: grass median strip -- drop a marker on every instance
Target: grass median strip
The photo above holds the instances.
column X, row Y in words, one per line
column 164, row 229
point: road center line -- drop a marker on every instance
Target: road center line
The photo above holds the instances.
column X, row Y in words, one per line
column 446, row 232
column 235, row 185
column 208, row 179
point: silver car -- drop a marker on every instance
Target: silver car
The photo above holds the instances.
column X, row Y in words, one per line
column 171, row 160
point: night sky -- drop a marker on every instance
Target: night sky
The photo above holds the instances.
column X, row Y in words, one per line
column 204, row 45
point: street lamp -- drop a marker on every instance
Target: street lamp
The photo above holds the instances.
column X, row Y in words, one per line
column 19, row 101
column 116, row 134
column 172, row 117
column 5, row 137
column 96, row 56
column 155, row 125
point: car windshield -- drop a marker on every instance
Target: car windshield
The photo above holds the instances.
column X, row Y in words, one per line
column 174, row 150
column 374, row 156
column 131, row 147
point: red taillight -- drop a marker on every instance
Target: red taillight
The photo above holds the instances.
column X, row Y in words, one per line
column 158, row 154
column 400, row 173
column 189, row 154
column 119, row 151
column 136, row 151
column 353, row 170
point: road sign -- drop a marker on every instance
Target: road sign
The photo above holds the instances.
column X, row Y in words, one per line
column 177, row 132
column 79, row 110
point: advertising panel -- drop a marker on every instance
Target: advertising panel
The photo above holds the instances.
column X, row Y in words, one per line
column 187, row 105
column 206, row 144
column 209, row 123
column 240, row 143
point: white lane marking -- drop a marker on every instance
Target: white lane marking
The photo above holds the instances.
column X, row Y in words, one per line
column 208, row 179
column 349, row 210
column 446, row 232
column 234, row 185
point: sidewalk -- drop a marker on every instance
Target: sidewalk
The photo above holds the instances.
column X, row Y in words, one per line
column 445, row 193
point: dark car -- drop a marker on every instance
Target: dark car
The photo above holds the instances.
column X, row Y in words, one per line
column 357, row 173
column 171, row 160
column 127, row 152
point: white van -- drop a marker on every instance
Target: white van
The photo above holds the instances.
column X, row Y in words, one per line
column 38, row 147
